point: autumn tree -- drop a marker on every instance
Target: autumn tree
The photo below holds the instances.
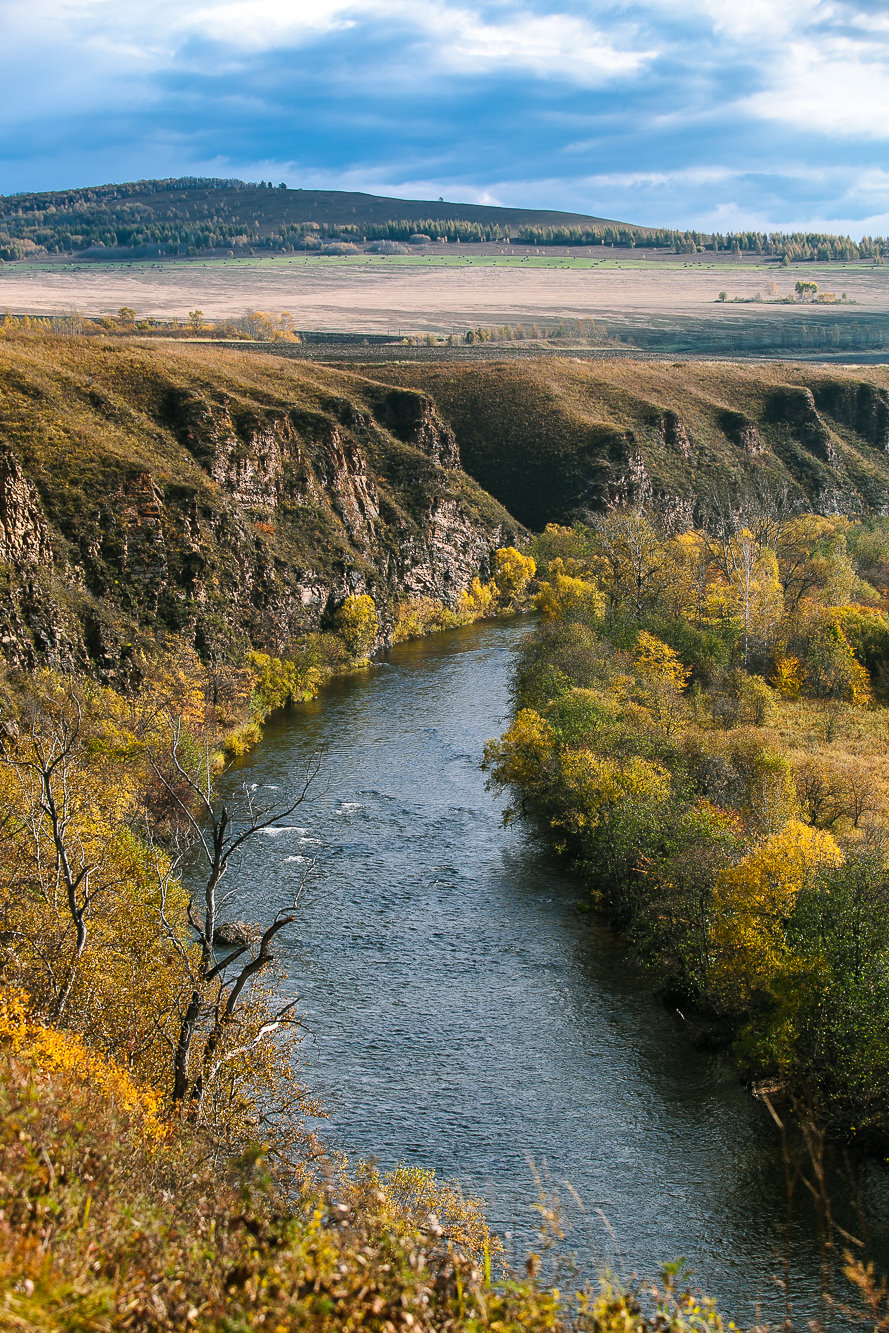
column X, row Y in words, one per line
column 519, row 758
column 222, row 1025
column 753, row 587
column 832, row 671
column 357, row 623
column 564, row 598
column 752, row 905
column 800, row 541
column 80, row 899
column 478, row 600
column 664, row 677
column 511, row 573
column 686, row 576
column 635, row 555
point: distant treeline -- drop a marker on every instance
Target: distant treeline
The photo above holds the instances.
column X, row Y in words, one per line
column 216, row 214
column 795, row 246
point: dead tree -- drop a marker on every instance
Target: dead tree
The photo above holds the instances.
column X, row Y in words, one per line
column 215, row 989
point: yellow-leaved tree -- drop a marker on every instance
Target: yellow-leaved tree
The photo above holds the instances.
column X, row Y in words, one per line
column 478, row 600
column 511, row 573
column 635, row 555
column 519, row 757
column 832, row 669
column 78, row 890
column 686, row 576
column 278, row 682
column 663, row 679
column 356, row 622
column 564, row 597
column 594, row 786
column 658, row 660
column 752, row 903
column 754, row 594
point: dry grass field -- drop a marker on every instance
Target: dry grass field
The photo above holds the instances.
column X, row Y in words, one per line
column 447, row 292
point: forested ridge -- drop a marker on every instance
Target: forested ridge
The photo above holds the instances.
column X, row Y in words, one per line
column 200, row 215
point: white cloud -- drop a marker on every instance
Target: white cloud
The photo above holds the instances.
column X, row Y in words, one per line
column 763, row 24
column 454, row 37
column 874, row 181
column 262, row 25
column 690, row 176
column 556, row 46
column 836, row 87
column 706, row 99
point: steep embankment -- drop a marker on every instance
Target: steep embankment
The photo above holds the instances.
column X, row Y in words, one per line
column 228, row 499
column 555, row 439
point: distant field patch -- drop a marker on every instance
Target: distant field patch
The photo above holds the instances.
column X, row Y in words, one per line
column 447, row 290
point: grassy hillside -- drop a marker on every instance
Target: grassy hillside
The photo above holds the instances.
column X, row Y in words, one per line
column 554, row 439
column 232, row 500
column 237, row 500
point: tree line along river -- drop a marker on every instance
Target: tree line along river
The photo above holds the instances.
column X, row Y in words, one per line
column 467, row 1014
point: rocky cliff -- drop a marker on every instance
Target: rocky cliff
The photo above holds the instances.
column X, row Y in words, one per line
column 556, row 439
column 230, row 500
column 235, row 499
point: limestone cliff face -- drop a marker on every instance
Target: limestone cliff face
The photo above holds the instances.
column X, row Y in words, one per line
column 232, row 514
column 23, row 535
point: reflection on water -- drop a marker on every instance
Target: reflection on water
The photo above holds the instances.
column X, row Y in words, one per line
column 468, row 1016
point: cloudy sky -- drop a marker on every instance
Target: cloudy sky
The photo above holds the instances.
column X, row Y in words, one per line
column 707, row 113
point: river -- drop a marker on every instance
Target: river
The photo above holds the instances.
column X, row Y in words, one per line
column 466, row 1013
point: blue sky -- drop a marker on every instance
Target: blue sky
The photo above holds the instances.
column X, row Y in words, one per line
column 717, row 114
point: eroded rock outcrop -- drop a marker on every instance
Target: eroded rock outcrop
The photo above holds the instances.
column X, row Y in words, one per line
column 861, row 406
column 230, row 514
column 794, row 406
column 24, row 537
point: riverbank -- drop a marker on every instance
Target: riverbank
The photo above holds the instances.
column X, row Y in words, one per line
column 470, row 1015
column 458, row 1018
column 707, row 745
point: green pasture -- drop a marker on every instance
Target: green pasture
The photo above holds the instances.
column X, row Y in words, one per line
column 452, row 258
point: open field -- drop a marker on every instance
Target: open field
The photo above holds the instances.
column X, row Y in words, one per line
column 433, row 292
column 658, row 302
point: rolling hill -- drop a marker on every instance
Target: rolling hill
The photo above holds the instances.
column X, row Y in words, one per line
column 197, row 214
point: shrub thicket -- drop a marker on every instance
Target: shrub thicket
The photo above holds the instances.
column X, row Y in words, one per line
column 702, row 718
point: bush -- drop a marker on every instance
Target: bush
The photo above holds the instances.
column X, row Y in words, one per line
column 511, row 575
column 106, row 1227
column 278, row 682
column 357, row 625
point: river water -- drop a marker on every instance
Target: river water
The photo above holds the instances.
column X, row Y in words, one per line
column 468, row 1015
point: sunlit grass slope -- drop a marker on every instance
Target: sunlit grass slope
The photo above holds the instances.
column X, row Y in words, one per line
column 169, row 490
column 553, row 438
